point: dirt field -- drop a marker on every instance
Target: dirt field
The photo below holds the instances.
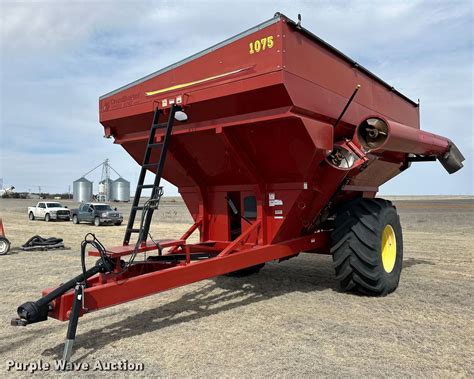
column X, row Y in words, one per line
column 289, row 320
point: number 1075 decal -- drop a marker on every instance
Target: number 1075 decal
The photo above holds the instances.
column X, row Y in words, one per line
column 261, row 44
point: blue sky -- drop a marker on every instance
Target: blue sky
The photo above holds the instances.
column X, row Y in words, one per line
column 58, row 57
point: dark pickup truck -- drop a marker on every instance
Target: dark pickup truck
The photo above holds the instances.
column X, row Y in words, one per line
column 96, row 213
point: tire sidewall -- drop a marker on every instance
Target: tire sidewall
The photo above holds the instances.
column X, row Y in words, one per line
column 96, row 221
column 31, row 216
column 47, row 217
column 75, row 220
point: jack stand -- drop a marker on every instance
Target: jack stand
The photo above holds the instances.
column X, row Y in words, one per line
column 73, row 320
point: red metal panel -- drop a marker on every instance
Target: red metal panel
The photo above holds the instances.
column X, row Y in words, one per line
column 220, row 62
column 332, row 80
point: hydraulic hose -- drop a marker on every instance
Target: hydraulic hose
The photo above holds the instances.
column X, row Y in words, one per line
column 36, row 311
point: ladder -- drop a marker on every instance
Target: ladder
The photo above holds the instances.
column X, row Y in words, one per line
column 152, row 203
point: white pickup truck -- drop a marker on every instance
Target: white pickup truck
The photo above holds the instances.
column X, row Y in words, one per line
column 47, row 211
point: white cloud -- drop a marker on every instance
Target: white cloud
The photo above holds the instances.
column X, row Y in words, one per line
column 58, row 57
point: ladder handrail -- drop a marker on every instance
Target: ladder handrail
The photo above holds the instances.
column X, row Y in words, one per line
column 157, row 191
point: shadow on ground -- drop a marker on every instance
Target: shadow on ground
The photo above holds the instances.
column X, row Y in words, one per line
column 217, row 295
column 410, row 262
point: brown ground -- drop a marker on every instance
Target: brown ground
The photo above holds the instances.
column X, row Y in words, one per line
column 289, row 320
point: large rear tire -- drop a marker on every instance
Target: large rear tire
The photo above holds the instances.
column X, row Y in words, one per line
column 246, row 271
column 31, row 216
column 367, row 247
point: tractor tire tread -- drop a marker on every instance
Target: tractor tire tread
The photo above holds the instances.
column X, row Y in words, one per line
column 356, row 244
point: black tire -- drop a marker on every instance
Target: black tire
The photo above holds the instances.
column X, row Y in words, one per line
column 118, row 223
column 357, row 239
column 4, row 246
column 246, row 271
column 47, row 217
column 68, row 219
column 75, row 220
column 97, row 221
column 31, row 216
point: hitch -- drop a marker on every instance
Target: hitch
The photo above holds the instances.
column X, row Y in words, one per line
column 36, row 311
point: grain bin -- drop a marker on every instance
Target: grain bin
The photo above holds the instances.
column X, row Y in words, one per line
column 82, row 190
column 105, row 189
column 120, row 190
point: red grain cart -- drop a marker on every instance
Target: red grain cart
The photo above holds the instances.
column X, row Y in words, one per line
column 285, row 144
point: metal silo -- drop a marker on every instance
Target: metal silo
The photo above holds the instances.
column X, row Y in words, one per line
column 121, row 190
column 106, row 189
column 82, row 190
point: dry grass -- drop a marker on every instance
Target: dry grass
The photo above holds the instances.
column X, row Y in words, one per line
column 289, row 320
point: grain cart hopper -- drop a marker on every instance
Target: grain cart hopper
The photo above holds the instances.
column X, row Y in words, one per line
column 278, row 144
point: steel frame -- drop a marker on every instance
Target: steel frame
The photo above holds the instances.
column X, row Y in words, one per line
column 148, row 277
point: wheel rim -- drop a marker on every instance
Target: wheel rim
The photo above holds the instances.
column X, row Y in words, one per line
column 389, row 248
column 3, row 246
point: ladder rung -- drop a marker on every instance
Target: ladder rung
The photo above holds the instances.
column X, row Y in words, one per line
column 157, row 191
column 133, row 230
column 159, row 144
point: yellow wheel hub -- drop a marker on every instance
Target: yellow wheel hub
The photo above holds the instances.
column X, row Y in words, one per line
column 389, row 248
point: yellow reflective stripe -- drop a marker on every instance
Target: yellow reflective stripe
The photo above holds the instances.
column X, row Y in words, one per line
column 178, row 86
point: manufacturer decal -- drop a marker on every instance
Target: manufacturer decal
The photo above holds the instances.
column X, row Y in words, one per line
column 184, row 85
